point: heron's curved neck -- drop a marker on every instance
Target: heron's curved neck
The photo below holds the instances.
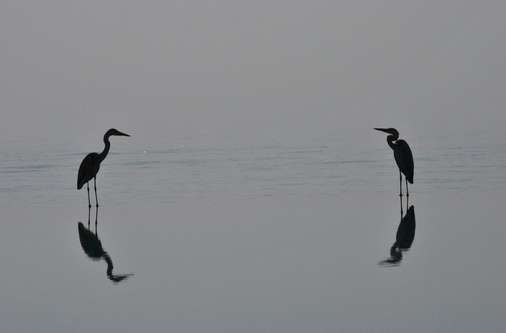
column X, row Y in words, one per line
column 104, row 152
column 110, row 275
column 391, row 139
column 109, row 263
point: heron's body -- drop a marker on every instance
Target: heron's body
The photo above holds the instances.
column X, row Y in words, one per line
column 91, row 164
column 406, row 230
column 404, row 159
column 88, row 169
column 403, row 156
column 90, row 243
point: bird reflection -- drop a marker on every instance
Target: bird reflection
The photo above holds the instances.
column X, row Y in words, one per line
column 404, row 237
column 92, row 246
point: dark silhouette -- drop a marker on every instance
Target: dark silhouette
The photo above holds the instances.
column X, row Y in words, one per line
column 91, row 164
column 403, row 156
column 404, row 237
column 395, row 257
column 93, row 248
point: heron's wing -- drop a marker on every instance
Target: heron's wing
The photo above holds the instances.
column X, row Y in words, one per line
column 88, row 169
column 404, row 158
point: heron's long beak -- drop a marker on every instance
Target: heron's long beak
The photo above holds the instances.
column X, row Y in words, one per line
column 121, row 134
column 118, row 278
column 383, row 130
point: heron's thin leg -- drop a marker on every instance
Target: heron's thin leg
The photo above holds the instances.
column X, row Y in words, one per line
column 95, row 185
column 402, row 212
column 400, row 183
column 88, row 188
column 89, row 208
column 96, row 219
column 407, row 189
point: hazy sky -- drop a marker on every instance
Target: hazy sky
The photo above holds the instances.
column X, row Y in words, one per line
column 230, row 70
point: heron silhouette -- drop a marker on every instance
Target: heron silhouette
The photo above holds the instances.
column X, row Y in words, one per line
column 91, row 164
column 403, row 238
column 403, row 157
column 92, row 246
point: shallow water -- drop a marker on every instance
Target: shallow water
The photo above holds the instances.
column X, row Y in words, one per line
column 255, row 238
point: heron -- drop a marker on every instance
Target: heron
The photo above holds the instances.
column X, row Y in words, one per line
column 92, row 246
column 91, row 164
column 403, row 157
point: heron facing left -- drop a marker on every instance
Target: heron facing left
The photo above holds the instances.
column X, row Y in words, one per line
column 91, row 164
column 403, row 156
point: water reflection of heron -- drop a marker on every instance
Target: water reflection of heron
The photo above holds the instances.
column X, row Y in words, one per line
column 91, row 164
column 403, row 156
column 404, row 237
column 92, row 246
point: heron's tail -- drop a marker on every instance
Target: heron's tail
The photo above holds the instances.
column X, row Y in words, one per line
column 409, row 176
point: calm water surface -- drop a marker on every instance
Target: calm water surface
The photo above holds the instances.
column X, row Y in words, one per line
column 255, row 238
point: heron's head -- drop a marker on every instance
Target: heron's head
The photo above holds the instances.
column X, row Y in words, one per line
column 391, row 131
column 114, row 131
